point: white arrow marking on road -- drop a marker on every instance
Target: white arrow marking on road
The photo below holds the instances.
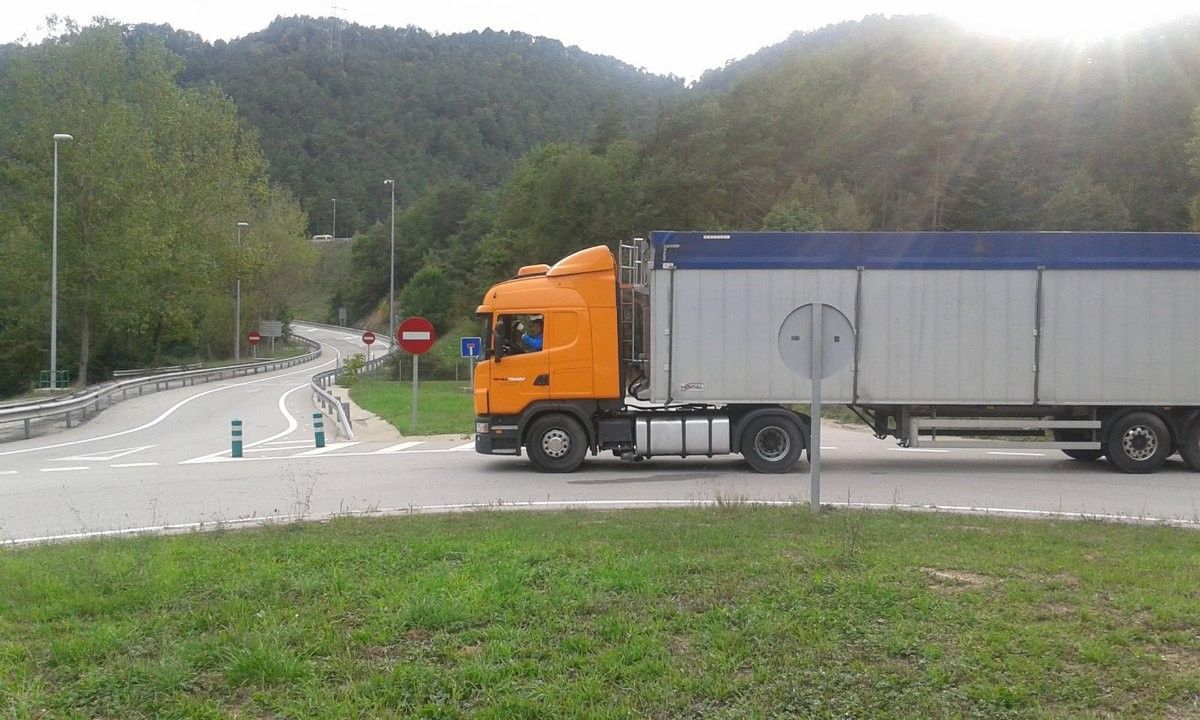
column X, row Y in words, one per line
column 106, row 456
column 398, row 448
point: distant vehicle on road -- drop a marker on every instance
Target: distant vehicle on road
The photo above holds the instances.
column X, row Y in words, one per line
column 1090, row 337
column 322, row 238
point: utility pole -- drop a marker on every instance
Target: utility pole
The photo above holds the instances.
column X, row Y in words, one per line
column 54, row 271
column 392, row 269
column 335, row 218
column 237, row 307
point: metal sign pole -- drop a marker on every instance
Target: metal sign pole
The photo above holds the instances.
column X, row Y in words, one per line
column 814, row 450
column 416, row 365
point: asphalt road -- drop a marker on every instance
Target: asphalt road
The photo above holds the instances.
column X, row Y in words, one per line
column 162, row 461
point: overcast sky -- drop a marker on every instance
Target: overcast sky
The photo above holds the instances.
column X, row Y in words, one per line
column 680, row 37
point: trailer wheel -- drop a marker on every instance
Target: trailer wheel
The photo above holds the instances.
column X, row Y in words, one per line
column 556, row 443
column 1078, row 436
column 1138, row 443
column 1189, row 449
column 772, row 443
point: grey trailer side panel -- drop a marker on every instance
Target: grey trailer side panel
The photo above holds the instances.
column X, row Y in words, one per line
column 1121, row 337
column 947, row 337
column 725, row 344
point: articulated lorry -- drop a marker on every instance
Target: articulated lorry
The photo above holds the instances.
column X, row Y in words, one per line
column 685, row 345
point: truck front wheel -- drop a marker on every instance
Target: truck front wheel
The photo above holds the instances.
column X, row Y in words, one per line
column 772, row 443
column 556, row 443
column 1138, row 443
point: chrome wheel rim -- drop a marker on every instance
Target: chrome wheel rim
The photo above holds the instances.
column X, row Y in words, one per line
column 772, row 443
column 556, row 443
column 1139, row 443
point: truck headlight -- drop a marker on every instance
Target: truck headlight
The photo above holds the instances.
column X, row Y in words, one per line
column 482, row 427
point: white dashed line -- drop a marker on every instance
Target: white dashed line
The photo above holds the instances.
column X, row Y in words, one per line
column 8, row 472
column 398, row 448
column 1021, row 454
column 918, row 450
column 129, row 465
column 465, row 446
column 65, row 469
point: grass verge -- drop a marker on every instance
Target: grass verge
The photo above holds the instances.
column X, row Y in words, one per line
column 728, row 612
column 444, row 406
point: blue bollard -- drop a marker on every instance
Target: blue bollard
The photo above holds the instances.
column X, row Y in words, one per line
column 237, row 438
column 319, row 429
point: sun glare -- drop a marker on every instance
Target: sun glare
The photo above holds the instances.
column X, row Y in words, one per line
column 1073, row 22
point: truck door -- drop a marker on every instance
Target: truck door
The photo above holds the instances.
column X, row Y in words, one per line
column 520, row 366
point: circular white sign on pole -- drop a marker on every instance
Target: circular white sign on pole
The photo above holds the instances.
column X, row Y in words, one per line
column 796, row 341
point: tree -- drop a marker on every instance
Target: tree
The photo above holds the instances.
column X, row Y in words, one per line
column 427, row 295
column 1081, row 203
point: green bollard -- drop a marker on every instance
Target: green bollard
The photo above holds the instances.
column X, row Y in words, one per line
column 319, row 429
column 237, row 438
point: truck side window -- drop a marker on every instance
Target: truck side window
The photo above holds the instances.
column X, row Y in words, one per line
column 517, row 334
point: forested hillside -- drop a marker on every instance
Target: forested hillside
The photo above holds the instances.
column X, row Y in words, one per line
column 340, row 106
column 907, row 123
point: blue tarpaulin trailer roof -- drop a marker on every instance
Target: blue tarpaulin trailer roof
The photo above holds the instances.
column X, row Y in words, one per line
column 927, row 250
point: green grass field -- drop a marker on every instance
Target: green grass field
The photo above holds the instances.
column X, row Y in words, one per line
column 729, row 612
column 444, row 406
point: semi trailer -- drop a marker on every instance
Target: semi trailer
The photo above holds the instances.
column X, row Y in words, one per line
column 684, row 345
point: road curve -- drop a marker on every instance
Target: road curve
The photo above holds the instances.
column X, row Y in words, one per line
column 162, row 461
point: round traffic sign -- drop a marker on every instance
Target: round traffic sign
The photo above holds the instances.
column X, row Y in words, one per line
column 415, row 335
column 254, row 337
column 368, row 337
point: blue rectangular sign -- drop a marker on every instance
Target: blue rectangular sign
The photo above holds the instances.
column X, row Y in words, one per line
column 470, row 347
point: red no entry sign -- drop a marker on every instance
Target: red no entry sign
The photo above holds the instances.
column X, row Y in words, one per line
column 254, row 337
column 368, row 337
column 415, row 335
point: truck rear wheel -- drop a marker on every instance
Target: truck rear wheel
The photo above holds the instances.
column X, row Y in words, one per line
column 1138, row 443
column 772, row 443
column 1189, row 449
column 556, row 443
column 1078, row 436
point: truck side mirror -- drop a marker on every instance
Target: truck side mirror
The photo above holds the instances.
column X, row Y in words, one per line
column 497, row 346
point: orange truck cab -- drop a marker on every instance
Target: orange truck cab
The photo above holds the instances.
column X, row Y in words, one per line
column 552, row 379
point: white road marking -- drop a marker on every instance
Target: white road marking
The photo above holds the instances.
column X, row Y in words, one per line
column 918, row 450
column 399, row 447
column 292, row 425
column 217, row 456
column 828, row 447
column 281, row 443
column 1021, row 454
column 169, row 411
column 328, row 448
column 129, row 465
column 65, row 469
column 464, row 446
column 569, row 504
column 8, row 472
column 111, row 455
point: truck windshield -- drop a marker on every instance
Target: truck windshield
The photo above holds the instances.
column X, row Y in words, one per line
column 486, row 335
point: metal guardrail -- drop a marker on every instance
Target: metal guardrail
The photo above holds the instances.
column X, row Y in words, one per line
column 138, row 372
column 323, row 380
column 107, row 394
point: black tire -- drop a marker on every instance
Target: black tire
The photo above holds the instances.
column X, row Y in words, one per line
column 1078, row 436
column 556, row 443
column 1189, row 449
column 772, row 443
column 1139, row 442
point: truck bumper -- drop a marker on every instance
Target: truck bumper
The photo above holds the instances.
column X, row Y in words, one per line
column 497, row 436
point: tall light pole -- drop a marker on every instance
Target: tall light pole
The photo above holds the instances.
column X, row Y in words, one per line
column 237, row 307
column 334, row 218
column 392, row 268
column 54, row 270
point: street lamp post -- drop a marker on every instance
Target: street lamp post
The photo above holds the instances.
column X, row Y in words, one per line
column 237, row 307
column 392, row 268
column 334, row 218
column 54, row 270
